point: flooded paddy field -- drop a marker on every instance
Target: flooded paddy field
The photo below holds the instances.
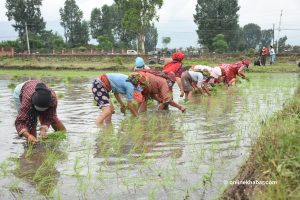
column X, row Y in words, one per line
column 160, row 155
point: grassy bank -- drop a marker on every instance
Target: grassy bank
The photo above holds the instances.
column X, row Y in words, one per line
column 279, row 67
column 125, row 63
column 37, row 73
column 68, row 62
column 275, row 157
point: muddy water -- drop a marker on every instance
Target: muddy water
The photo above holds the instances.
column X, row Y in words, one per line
column 165, row 155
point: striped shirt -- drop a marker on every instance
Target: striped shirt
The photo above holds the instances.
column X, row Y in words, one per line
column 46, row 118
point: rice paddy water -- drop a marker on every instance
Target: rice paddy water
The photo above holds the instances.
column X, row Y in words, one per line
column 160, row 155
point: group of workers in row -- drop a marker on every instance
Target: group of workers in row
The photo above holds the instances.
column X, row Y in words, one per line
column 35, row 101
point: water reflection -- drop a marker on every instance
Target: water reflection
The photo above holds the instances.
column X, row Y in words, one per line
column 37, row 166
column 148, row 137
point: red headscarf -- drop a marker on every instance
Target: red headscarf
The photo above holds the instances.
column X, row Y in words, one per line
column 179, row 56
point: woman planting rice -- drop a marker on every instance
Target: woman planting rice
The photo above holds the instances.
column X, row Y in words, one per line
column 231, row 71
column 34, row 100
column 118, row 84
column 195, row 80
column 158, row 89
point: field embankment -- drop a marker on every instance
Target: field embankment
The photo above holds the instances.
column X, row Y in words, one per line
column 126, row 63
column 114, row 63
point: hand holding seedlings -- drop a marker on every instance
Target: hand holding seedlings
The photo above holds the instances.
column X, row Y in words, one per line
column 31, row 139
column 123, row 109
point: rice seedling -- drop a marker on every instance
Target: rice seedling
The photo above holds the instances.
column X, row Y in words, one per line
column 11, row 86
column 238, row 139
column 45, row 177
column 56, row 194
column 6, row 167
column 60, row 95
column 15, row 189
column 56, row 136
column 15, row 77
column 29, row 150
column 207, row 177
column 51, row 84
column 152, row 194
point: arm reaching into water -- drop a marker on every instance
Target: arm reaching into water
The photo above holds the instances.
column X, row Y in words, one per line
column 132, row 109
column 123, row 107
column 178, row 81
column 205, row 89
column 241, row 73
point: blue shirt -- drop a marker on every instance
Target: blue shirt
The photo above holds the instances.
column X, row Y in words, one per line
column 119, row 84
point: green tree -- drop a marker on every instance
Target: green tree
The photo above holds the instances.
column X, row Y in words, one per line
column 109, row 16
column 103, row 22
column 151, row 39
column 240, row 40
column 46, row 42
column 266, row 37
column 52, row 40
column 107, row 22
column 74, row 28
column 166, row 41
column 104, row 42
column 25, row 12
column 252, row 34
column 96, row 23
column 82, row 33
column 16, row 44
column 35, row 43
column 138, row 16
column 281, row 44
column 296, row 49
column 219, row 43
column 216, row 17
column 124, row 38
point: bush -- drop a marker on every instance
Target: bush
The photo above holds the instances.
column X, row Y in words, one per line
column 251, row 52
column 82, row 49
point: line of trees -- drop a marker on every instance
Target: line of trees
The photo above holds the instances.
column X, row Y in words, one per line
column 219, row 31
column 124, row 24
column 130, row 24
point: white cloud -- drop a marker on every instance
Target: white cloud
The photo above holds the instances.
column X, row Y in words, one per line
column 177, row 10
column 50, row 8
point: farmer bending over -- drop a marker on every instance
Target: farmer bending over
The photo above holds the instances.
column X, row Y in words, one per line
column 34, row 100
column 140, row 64
column 118, row 84
column 230, row 71
column 215, row 72
column 194, row 79
column 158, row 89
column 175, row 67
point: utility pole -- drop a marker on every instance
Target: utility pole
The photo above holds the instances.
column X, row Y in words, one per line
column 273, row 35
column 28, row 47
column 279, row 29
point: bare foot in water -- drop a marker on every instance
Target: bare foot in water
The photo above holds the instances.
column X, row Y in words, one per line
column 181, row 94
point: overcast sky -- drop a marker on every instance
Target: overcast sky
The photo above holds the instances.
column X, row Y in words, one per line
column 176, row 18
